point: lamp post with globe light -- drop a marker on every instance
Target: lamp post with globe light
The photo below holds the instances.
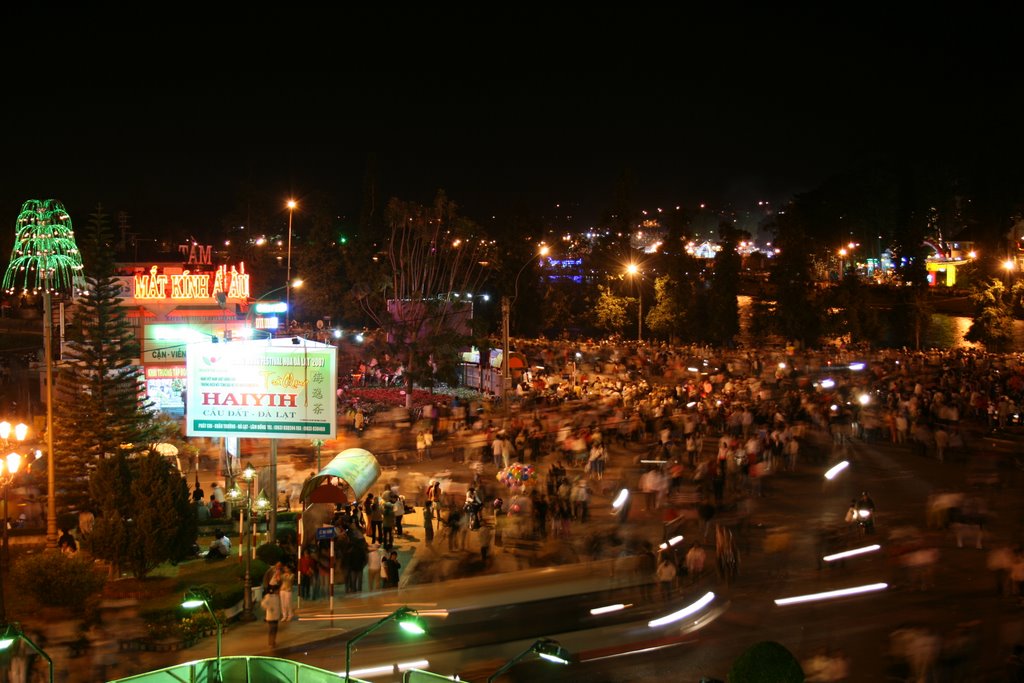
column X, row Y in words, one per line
column 248, row 509
column 13, row 464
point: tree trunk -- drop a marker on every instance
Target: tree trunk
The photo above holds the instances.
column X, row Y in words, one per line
column 408, row 383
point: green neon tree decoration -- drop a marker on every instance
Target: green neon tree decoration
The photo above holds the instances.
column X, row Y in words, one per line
column 45, row 256
column 46, row 260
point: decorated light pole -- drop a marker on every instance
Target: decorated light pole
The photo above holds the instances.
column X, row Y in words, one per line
column 45, row 260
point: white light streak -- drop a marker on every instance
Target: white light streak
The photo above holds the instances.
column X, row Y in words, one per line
column 857, row 366
column 836, row 469
column 608, row 608
column 387, row 668
column 620, row 499
column 828, row 595
column 675, row 540
column 851, row 553
column 700, row 604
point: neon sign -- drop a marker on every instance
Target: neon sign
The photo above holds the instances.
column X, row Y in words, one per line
column 234, row 282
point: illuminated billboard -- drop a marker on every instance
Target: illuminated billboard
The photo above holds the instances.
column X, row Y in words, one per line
column 167, row 342
column 266, row 389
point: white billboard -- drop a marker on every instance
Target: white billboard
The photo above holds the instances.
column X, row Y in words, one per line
column 266, row 389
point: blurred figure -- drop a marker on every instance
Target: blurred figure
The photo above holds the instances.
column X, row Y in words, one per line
column 695, row 559
column 918, row 648
column 666, row 574
column 827, row 666
column 1000, row 563
column 969, row 521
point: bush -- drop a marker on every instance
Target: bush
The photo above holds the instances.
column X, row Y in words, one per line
column 766, row 662
column 269, row 554
column 58, row 580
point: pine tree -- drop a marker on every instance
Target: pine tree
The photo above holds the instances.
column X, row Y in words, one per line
column 144, row 517
column 99, row 411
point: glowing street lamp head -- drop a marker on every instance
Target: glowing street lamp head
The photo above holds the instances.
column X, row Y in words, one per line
column 292, row 204
column 545, row 250
column 632, row 269
column 297, row 282
column 1008, row 265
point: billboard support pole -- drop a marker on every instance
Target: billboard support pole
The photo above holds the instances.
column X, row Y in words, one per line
column 272, row 522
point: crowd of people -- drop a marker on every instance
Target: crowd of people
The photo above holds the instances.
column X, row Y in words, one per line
column 681, row 428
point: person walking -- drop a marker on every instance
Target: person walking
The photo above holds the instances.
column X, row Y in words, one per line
column 374, row 567
column 387, row 538
column 392, row 567
column 307, row 567
column 485, row 534
column 271, row 602
column 428, row 524
column 376, row 516
column 400, row 510
column 286, row 587
column 454, row 525
column 695, row 559
column 666, row 575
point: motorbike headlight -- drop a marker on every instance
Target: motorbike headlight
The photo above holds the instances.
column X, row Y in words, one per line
column 864, row 513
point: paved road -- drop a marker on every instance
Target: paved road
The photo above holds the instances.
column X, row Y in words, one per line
column 498, row 614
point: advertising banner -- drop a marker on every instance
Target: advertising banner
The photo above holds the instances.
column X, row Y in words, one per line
column 266, row 389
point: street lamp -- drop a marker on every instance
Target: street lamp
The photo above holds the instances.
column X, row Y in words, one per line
column 545, row 648
column 407, row 619
column 13, row 463
column 7, row 474
column 13, row 633
column 1008, row 266
column 288, row 277
column 200, row 597
column 633, row 270
column 506, row 310
column 235, row 495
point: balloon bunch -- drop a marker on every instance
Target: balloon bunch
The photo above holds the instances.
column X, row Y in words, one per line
column 517, row 474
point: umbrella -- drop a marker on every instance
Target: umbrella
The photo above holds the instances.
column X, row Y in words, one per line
column 166, row 448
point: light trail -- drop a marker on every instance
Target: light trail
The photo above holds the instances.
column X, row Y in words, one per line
column 700, row 604
column 851, row 553
column 828, row 595
column 836, row 469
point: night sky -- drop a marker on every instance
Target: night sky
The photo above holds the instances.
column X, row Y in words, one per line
column 509, row 114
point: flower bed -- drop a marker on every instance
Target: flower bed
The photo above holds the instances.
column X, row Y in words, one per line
column 395, row 398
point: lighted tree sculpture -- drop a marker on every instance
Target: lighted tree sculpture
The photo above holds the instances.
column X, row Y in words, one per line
column 45, row 260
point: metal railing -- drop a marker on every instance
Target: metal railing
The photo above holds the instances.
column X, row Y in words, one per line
column 239, row 669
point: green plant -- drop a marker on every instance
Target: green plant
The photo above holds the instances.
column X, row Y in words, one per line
column 766, row 662
column 59, row 580
column 269, row 554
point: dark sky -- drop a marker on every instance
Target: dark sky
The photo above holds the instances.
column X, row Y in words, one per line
column 506, row 112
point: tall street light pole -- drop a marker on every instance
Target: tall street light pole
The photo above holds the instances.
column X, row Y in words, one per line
column 288, row 277
column 634, row 271
column 506, row 314
column 45, row 259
